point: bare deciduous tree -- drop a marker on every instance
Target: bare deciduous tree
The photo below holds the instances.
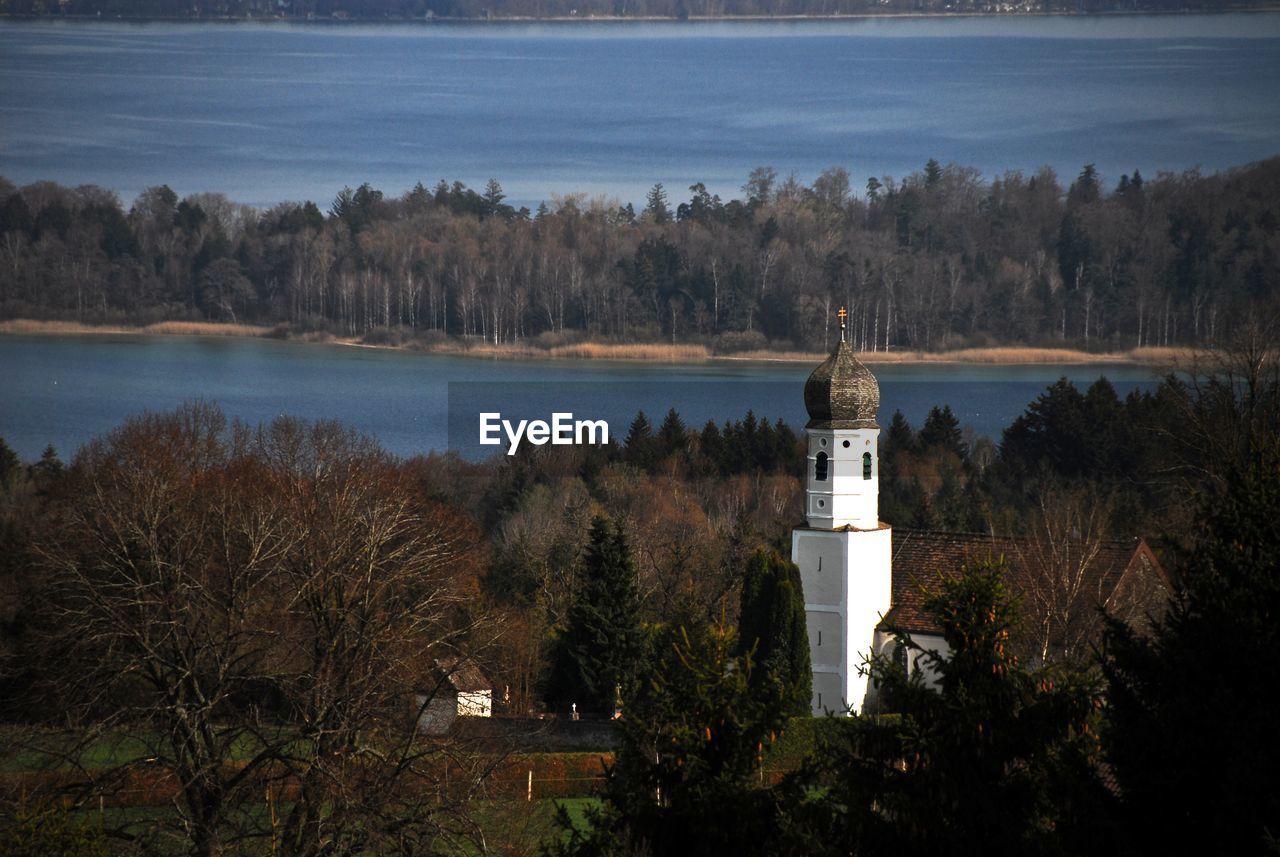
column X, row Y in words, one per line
column 259, row 612
column 1069, row 573
column 1062, row 587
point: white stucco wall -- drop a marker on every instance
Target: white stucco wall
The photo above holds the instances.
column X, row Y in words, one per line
column 886, row 642
column 442, row 710
column 847, row 580
column 438, row 715
column 475, row 704
column 844, row 498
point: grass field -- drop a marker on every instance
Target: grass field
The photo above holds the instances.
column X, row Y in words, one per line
column 509, row 822
column 37, row 762
column 38, row 751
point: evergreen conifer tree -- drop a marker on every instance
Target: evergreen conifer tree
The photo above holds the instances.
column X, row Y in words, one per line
column 941, row 430
column 771, row 626
column 49, row 466
column 639, row 447
column 932, row 173
column 712, row 448
column 1192, row 737
column 656, row 207
column 672, row 435
column 9, row 463
column 686, row 779
column 900, row 437
column 1051, row 433
column 597, row 653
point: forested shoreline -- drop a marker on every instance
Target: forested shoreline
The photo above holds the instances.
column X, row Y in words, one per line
column 938, row 260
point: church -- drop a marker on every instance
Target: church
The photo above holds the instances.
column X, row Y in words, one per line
column 862, row 581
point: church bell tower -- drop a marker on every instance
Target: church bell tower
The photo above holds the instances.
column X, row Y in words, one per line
column 843, row 551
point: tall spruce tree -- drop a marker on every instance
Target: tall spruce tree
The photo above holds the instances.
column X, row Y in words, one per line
column 672, row 435
column 899, row 438
column 598, row 651
column 1193, row 736
column 941, row 430
column 771, row 626
column 639, row 446
column 656, row 207
column 687, row 776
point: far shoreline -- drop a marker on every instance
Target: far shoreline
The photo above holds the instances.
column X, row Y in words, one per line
column 1009, row 355
column 1266, row 7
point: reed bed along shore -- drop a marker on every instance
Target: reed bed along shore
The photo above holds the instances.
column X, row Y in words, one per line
column 649, row 352
column 203, row 328
column 634, row 351
column 27, row 325
column 640, row 351
column 160, row 328
column 1004, row 356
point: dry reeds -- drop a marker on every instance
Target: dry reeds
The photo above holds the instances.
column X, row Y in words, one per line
column 1164, row 356
column 655, row 352
column 28, row 325
column 171, row 328
column 1004, row 356
column 766, row 354
column 204, row 328
column 999, row 356
column 1012, row 355
column 632, row 351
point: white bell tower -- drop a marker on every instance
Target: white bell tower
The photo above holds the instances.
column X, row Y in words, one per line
column 843, row 551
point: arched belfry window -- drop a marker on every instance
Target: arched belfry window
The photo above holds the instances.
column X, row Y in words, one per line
column 866, row 465
column 820, row 468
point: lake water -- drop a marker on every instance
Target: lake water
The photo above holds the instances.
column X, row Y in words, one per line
column 66, row 390
column 271, row 112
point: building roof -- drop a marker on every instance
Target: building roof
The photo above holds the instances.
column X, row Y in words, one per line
column 922, row 558
column 842, row 393
column 462, row 675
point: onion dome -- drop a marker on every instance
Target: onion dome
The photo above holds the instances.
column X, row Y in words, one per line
column 842, row 393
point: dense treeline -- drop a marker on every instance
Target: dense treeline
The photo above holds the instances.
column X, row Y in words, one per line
column 681, row 9
column 694, row 503
column 940, row 259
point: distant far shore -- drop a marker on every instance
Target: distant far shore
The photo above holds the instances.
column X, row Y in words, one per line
column 642, row 19
column 656, row 352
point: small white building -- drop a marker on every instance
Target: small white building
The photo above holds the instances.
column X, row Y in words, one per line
column 460, row 690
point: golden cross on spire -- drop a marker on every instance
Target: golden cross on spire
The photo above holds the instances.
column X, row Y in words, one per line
column 842, row 314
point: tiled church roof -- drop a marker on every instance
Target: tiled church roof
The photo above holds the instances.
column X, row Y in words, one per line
column 922, row 557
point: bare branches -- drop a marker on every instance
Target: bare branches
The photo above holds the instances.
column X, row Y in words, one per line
column 1064, row 586
column 1228, row 405
column 258, row 609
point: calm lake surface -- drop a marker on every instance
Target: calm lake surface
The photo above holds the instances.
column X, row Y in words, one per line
column 66, row 390
column 269, row 112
